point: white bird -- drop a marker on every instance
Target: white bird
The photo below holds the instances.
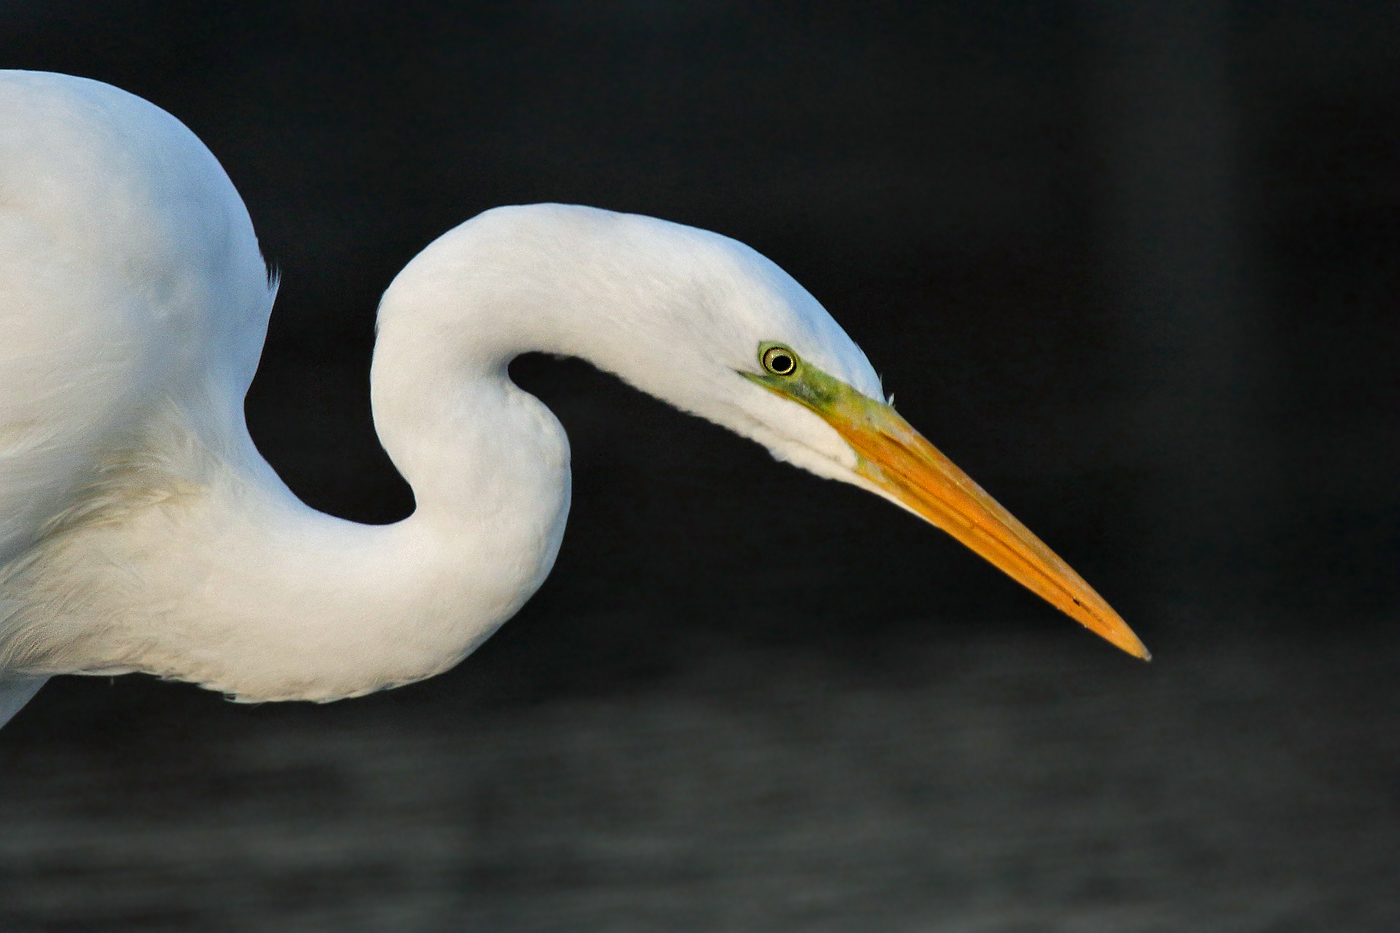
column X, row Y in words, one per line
column 140, row 530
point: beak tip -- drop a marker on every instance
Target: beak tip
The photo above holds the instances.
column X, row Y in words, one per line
column 1128, row 641
column 1110, row 626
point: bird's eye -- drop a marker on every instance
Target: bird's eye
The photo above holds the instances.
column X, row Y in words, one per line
column 778, row 360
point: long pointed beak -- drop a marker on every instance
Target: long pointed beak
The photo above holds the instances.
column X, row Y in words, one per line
column 898, row 463
column 904, row 467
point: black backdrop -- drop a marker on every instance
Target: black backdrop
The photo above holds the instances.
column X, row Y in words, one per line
column 1132, row 265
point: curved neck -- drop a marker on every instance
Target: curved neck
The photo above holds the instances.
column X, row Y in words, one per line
column 471, row 444
column 204, row 567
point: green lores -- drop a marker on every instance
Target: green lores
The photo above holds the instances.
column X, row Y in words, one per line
column 902, row 465
column 786, row 374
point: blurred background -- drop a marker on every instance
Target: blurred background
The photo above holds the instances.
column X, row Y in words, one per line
column 1131, row 263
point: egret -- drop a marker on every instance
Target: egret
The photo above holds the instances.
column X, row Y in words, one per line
column 140, row 529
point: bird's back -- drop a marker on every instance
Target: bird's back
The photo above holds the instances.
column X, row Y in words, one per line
column 130, row 282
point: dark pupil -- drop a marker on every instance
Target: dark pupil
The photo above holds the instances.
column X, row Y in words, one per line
column 781, row 363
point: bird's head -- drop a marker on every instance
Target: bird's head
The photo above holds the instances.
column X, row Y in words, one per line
column 750, row 348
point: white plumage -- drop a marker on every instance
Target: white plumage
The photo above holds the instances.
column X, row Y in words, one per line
column 140, row 530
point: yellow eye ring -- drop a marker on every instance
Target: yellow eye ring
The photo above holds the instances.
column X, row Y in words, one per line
column 778, row 360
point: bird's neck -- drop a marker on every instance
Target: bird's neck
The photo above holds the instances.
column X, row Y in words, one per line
column 226, row 579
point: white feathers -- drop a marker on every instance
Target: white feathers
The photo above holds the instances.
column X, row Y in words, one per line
column 139, row 528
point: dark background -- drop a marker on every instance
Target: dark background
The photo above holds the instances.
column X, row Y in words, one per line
column 1133, row 265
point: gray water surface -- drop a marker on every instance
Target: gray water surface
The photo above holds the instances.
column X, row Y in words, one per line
column 966, row 782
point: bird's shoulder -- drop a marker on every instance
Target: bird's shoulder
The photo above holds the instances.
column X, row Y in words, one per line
column 130, row 275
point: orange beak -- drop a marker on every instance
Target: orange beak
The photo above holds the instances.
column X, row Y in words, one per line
column 907, row 469
column 895, row 461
